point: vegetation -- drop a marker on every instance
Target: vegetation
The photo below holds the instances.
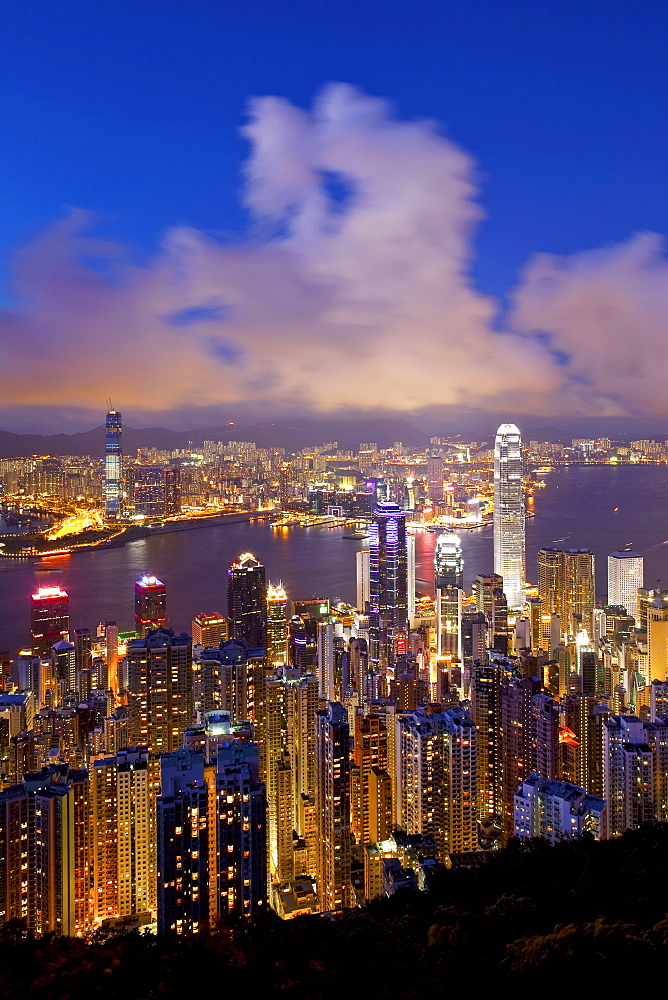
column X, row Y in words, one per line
column 575, row 916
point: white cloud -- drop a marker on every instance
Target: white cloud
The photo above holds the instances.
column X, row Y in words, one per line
column 358, row 296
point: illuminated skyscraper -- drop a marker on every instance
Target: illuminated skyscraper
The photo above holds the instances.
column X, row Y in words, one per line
column 509, row 513
column 122, row 850
column 625, row 577
column 277, row 625
column 50, row 618
column 209, row 630
column 449, row 581
column 566, row 586
column 150, row 604
column 388, row 584
column 160, row 689
column 241, row 810
column 155, row 490
column 448, row 561
column 113, row 465
column 247, row 600
column 332, row 758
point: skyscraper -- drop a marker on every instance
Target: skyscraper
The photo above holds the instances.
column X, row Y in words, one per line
column 449, row 581
column 566, row 587
column 332, row 754
column 50, row 618
column 160, row 689
column 625, row 577
column 509, row 513
column 113, row 465
column 277, row 625
column 388, row 583
column 150, row 604
column 247, row 600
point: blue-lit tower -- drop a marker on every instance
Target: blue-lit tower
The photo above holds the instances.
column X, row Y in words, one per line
column 113, row 464
column 388, row 584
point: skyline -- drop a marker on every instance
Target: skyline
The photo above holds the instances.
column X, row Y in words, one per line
column 359, row 230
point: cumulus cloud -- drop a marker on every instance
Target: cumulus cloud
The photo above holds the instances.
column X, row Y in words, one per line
column 353, row 292
column 605, row 312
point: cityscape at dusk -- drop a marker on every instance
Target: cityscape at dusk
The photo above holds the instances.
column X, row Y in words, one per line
column 333, row 473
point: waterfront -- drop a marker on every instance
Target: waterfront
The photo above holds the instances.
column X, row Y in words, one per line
column 576, row 509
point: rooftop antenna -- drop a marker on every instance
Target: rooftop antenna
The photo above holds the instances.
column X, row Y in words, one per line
column 109, row 405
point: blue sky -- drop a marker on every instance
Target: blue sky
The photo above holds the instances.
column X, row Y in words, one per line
column 132, row 111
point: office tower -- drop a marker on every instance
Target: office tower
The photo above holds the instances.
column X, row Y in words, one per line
column 566, row 587
column 578, row 590
column 64, row 667
column 246, row 600
column 122, row 794
column 186, row 839
column 388, row 590
column 362, row 564
column 303, row 641
column 241, row 808
column 449, row 623
column 159, row 689
column 276, row 642
column 435, row 478
column 113, row 465
column 557, row 811
column 586, row 658
column 474, row 636
column 509, row 513
column 656, row 613
column 43, row 861
column 546, row 719
column 83, row 644
column 209, row 630
column 448, row 561
column 332, row 759
column 437, row 779
column 155, row 490
column 150, row 604
column 484, row 586
column 50, row 618
column 625, row 578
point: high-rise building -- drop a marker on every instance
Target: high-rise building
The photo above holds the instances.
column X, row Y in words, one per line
column 209, row 630
column 150, row 604
column 363, row 581
column 122, row 794
column 277, row 625
column 437, row 779
column 50, row 618
column 160, row 695
column 241, row 810
column 155, row 490
column 509, row 513
column 448, row 561
column 333, row 762
column 388, row 584
column 43, row 858
column 113, row 465
column 247, row 600
column 566, row 587
column 186, row 844
column 557, row 811
column 625, row 577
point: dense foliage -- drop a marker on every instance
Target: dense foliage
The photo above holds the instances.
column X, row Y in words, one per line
column 552, row 919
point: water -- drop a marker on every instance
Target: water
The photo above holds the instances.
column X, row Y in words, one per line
column 577, row 505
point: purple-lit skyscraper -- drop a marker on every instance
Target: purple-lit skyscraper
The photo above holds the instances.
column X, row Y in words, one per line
column 388, row 584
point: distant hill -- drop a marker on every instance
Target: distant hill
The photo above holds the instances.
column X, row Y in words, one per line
column 292, row 436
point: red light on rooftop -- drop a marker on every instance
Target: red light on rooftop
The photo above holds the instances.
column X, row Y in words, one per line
column 49, row 594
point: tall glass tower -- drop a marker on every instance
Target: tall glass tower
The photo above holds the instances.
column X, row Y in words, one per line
column 388, row 583
column 113, row 464
column 509, row 513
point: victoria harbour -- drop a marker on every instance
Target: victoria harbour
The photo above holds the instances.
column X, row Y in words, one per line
column 596, row 507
